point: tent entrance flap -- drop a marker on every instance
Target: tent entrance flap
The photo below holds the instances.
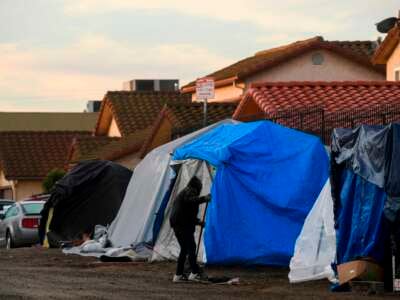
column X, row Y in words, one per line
column 166, row 246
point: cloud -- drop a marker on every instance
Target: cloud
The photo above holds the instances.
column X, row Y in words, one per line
column 288, row 15
column 89, row 67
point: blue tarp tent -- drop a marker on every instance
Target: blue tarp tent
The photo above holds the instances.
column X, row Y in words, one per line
column 268, row 178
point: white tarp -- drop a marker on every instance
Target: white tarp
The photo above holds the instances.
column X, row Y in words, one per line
column 149, row 183
column 167, row 246
column 315, row 248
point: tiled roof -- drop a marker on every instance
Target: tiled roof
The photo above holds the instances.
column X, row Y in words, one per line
column 189, row 117
column 46, row 121
column 31, row 155
column 86, row 147
column 387, row 47
column 331, row 96
column 137, row 110
column 362, row 48
column 358, row 51
column 125, row 146
column 182, row 115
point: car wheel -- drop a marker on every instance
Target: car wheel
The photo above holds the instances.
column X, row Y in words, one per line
column 9, row 241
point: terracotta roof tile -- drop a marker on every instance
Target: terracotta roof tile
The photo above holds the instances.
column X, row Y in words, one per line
column 358, row 51
column 86, row 147
column 187, row 117
column 330, row 96
column 318, row 107
column 31, row 155
column 125, row 146
column 137, row 110
column 191, row 115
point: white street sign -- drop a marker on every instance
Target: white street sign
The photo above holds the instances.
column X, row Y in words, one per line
column 205, row 88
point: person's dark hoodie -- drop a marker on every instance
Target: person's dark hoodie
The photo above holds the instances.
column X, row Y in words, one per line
column 186, row 206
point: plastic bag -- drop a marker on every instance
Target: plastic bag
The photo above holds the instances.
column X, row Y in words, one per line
column 315, row 248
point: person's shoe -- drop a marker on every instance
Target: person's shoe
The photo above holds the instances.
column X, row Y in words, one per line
column 201, row 276
column 179, row 278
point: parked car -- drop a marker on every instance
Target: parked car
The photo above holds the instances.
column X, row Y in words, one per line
column 20, row 224
column 4, row 205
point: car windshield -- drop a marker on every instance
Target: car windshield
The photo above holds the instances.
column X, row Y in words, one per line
column 32, row 208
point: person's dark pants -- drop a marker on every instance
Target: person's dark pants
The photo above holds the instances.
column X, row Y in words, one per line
column 187, row 243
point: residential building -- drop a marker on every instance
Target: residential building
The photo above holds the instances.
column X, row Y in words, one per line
column 32, row 144
column 26, row 157
column 388, row 54
column 174, row 119
column 309, row 60
column 123, row 124
column 318, row 107
column 178, row 119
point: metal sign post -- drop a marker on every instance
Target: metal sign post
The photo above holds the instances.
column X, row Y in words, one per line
column 205, row 112
column 205, row 90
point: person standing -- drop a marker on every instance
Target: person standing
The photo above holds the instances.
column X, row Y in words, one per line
column 183, row 221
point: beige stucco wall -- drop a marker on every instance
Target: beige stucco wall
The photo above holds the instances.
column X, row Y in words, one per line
column 129, row 161
column 301, row 68
column 393, row 64
column 6, row 184
column 27, row 188
column 222, row 94
column 113, row 129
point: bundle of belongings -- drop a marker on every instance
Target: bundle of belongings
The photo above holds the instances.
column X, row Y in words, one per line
column 365, row 201
column 89, row 195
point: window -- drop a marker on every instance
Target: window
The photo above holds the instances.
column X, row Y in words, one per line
column 32, row 208
column 317, row 59
column 6, row 193
column 397, row 75
column 12, row 211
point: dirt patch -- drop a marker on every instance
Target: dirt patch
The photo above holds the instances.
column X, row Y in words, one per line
column 30, row 273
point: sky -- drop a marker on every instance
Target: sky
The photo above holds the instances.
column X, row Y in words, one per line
column 55, row 55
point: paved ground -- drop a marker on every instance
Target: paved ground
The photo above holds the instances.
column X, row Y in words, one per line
column 48, row 274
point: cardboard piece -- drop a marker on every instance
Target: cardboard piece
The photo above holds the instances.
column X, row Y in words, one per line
column 362, row 270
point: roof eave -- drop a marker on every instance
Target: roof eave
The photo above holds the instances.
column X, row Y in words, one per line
column 387, row 47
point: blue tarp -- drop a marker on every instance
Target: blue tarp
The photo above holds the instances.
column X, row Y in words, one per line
column 361, row 231
column 268, row 178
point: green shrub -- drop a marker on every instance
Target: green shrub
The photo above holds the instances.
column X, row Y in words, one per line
column 51, row 179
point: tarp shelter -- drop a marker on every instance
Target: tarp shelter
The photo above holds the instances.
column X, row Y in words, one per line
column 361, row 210
column 90, row 194
column 267, row 179
column 366, row 191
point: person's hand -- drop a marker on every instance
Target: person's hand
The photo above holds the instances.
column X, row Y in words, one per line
column 201, row 224
column 207, row 198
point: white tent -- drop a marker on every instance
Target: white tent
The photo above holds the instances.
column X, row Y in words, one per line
column 150, row 182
